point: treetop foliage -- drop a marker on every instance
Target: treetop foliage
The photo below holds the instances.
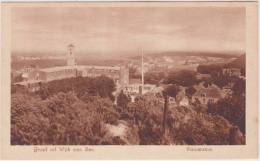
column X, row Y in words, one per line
column 184, row 78
column 77, row 111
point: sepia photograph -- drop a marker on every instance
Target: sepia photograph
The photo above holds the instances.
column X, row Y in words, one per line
column 129, row 80
column 131, row 75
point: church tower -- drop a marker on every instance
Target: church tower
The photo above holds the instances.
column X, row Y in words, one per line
column 71, row 57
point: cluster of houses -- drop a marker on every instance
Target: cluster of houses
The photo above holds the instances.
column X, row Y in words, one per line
column 33, row 77
column 203, row 95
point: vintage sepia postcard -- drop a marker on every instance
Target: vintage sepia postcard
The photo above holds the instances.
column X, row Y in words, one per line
column 129, row 80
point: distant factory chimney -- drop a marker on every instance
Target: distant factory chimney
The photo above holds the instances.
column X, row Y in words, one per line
column 71, row 57
column 142, row 72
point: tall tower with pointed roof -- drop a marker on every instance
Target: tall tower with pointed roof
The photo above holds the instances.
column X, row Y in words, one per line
column 71, row 57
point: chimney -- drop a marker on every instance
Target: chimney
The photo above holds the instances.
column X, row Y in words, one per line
column 142, row 72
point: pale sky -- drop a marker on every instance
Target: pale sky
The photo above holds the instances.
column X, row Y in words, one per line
column 127, row 29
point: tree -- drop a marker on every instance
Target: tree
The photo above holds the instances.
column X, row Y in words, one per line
column 17, row 78
column 189, row 92
column 122, row 100
column 133, row 73
column 165, row 112
column 171, row 90
column 239, row 87
column 209, row 69
column 231, row 108
column 220, row 80
column 184, row 126
column 43, row 92
column 64, row 119
column 61, row 119
column 18, row 89
column 184, row 78
column 103, row 86
column 146, row 114
column 154, row 77
column 27, row 123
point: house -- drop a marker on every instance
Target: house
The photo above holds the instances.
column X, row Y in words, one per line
column 32, row 85
column 231, row 71
column 134, row 88
column 181, row 98
column 184, row 101
column 206, row 95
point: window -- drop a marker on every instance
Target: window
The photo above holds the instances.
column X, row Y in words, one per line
column 203, row 94
column 211, row 100
column 37, row 76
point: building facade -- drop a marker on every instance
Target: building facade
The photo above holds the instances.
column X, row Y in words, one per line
column 232, row 72
column 205, row 95
column 120, row 74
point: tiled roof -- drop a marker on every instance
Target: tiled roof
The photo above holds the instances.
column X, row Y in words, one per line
column 211, row 91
